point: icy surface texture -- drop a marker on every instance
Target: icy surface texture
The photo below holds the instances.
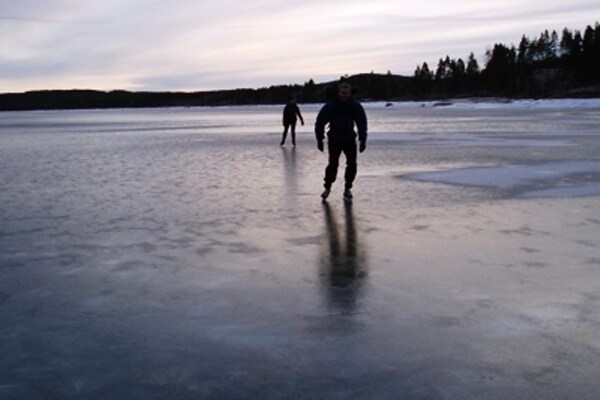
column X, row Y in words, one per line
column 182, row 254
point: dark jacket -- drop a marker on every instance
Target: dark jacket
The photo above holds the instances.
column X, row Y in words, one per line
column 341, row 118
column 290, row 113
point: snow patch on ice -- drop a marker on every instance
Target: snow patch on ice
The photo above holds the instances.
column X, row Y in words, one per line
column 528, row 178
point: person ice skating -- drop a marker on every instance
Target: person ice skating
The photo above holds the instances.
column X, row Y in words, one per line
column 342, row 114
column 291, row 113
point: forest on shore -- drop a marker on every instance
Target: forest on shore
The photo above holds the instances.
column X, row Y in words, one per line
column 551, row 65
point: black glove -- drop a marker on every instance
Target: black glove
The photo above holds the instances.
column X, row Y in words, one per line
column 363, row 146
column 320, row 145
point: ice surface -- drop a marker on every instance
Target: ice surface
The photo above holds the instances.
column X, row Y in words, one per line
column 181, row 253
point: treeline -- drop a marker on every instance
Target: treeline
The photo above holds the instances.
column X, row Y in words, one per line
column 550, row 65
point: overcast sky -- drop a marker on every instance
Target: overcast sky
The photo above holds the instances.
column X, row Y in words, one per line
column 220, row 44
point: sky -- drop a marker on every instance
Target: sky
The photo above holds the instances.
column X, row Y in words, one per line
column 189, row 45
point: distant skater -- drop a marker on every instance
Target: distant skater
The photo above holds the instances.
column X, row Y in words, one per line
column 341, row 113
column 291, row 113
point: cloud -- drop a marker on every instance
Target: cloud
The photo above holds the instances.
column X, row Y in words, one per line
column 191, row 45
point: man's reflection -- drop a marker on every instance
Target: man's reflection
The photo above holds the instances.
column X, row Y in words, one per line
column 289, row 161
column 343, row 266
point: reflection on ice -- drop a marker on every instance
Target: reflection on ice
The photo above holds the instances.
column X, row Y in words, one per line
column 289, row 163
column 344, row 261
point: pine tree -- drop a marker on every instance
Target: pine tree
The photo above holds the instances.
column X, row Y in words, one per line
column 460, row 68
column 566, row 43
column 417, row 73
column 555, row 45
column 425, row 72
column 472, row 65
column 439, row 72
column 590, row 70
column 524, row 56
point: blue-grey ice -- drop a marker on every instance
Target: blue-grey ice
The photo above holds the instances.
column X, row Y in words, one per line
column 182, row 254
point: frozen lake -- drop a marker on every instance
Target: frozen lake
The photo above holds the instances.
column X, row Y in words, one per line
column 182, row 254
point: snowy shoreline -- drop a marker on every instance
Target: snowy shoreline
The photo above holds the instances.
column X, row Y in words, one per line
column 484, row 103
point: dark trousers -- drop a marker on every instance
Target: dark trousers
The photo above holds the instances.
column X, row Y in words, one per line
column 336, row 148
column 286, row 126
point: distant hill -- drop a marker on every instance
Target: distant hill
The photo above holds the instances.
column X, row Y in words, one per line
column 369, row 87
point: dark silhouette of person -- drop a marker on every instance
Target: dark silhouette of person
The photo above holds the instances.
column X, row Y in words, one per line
column 291, row 113
column 342, row 114
column 344, row 267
